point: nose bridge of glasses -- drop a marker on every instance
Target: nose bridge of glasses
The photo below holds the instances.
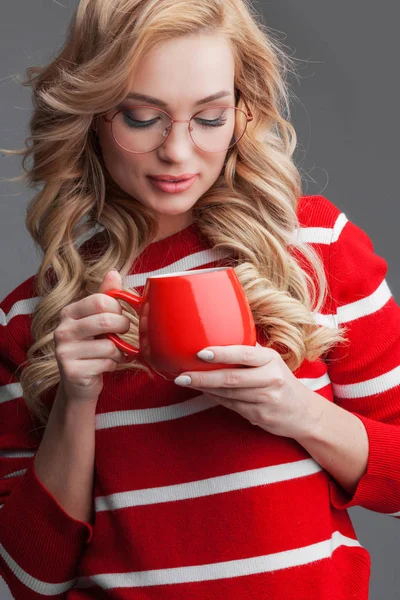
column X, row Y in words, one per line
column 180, row 121
column 168, row 130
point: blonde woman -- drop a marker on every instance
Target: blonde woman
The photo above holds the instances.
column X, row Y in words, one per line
column 229, row 484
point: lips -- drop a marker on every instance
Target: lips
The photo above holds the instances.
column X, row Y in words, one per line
column 183, row 177
column 172, row 187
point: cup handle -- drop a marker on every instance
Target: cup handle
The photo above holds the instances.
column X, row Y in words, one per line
column 135, row 301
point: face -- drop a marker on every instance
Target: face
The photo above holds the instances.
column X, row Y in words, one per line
column 179, row 73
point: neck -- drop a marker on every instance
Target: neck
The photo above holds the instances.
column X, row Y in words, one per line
column 168, row 225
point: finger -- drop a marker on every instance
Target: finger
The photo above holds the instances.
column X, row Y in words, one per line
column 85, row 369
column 93, row 304
column 224, row 378
column 251, row 356
column 112, row 280
column 245, row 395
column 99, row 302
column 245, row 409
column 93, row 325
column 87, row 349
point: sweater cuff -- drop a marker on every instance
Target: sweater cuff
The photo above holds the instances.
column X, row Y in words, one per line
column 40, row 539
column 379, row 488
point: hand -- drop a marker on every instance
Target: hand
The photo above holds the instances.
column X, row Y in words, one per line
column 267, row 394
column 82, row 354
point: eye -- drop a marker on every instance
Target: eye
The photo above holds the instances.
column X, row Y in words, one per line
column 212, row 118
column 211, row 123
column 129, row 120
column 142, row 117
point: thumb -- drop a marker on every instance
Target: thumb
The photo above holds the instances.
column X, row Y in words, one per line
column 112, row 280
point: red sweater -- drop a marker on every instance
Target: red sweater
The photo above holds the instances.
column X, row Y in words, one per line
column 191, row 500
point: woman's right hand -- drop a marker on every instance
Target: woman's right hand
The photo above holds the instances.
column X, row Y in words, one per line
column 82, row 358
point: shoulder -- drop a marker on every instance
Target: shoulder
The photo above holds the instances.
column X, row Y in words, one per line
column 16, row 310
column 17, row 307
column 322, row 223
column 318, row 211
column 24, row 291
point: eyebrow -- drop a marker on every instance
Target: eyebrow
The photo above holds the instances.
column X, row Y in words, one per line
column 156, row 101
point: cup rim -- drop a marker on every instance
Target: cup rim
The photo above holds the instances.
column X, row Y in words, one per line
column 189, row 273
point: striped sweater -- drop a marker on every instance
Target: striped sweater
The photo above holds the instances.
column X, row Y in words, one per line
column 191, row 500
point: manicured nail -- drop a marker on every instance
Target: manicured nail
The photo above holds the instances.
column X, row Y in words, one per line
column 206, row 354
column 183, row 380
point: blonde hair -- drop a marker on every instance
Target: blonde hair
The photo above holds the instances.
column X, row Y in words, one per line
column 250, row 211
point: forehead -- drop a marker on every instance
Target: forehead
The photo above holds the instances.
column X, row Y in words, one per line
column 191, row 66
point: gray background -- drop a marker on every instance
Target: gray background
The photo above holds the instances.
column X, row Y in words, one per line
column 346, row 117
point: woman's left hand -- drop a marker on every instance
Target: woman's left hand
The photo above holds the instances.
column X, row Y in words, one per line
column 267, row 394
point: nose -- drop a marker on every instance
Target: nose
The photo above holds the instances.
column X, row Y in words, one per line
column 178, row 146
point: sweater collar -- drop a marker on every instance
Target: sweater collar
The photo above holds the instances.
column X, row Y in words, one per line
column 172, row 248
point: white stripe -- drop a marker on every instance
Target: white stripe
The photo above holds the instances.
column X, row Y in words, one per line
column 14, row 474
column 198, row 259
column 365, row 306
column 313, row 235
column 197, row 404
column 89, row 234
column 376, row 385
column 338, row 227
column 360, row 308
column 120, row 418
column 22, row 307
column 209, row 487
column 223, row 570
column 36, row 585
column 12, row 391
column 315, row 383
column 321, row 235
column 330, row 321
column 16, row 454
column 395, row 514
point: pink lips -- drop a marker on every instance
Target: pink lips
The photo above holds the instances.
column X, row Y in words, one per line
column 164, row 183
column 174, row 177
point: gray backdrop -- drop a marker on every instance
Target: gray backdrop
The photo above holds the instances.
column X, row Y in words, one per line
column 346, row 116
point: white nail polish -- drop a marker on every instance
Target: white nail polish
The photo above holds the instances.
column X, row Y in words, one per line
column 206, row 354
column 183, row 380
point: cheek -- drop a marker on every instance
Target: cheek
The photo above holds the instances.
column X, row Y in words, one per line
column 114, row 157
column 122, row 166
column 213, row 165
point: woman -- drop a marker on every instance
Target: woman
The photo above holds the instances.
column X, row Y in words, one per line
column 117, row 483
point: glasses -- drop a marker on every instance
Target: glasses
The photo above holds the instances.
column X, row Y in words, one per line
column 141, row 129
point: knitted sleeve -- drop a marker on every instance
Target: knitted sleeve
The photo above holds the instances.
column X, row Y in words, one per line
column 40, row 544
column 365, row 371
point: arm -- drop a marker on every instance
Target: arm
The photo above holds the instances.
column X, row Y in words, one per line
column 64, row 462
column 44, row 514
column 358, row 438
column 337, row 440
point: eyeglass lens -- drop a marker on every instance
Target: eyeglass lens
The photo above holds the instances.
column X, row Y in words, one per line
column 144, row 129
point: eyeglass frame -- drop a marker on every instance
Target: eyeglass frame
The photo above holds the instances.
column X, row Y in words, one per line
column 249, row 117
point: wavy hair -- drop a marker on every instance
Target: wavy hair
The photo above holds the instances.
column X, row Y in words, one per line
column 249, row 212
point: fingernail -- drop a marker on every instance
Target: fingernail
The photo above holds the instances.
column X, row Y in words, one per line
column 183, row 380
column 206, row 354
column 114, row 269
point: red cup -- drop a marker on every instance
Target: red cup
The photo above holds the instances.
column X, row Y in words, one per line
column 182, row 313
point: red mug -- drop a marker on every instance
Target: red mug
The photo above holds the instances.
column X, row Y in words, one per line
column 182, row 313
